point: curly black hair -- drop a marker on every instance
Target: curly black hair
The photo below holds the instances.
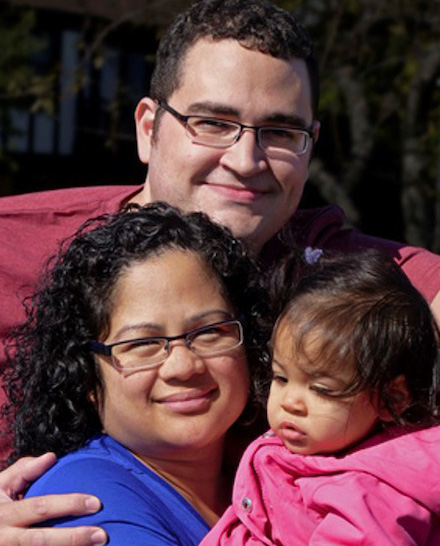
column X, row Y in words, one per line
column 52, row 378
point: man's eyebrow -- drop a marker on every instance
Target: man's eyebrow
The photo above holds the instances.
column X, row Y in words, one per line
column 287, row 119
column 212, row 108
column 218, row 109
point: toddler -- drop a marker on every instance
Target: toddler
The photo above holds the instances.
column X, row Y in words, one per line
column 353, row 453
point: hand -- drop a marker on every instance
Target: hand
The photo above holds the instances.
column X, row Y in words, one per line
column 17, row 515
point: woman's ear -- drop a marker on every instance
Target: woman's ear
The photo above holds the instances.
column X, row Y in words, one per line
column 91, row 396
column 399, row 397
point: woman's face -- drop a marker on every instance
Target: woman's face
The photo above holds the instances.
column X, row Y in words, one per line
column 188, row 402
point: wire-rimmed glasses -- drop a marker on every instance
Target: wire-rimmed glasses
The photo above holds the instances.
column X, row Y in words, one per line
column 148, row 352
column 221, row 133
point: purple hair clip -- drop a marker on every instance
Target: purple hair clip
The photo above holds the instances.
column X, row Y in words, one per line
column 312, row 255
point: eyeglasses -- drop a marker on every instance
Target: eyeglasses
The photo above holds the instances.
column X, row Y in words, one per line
column 220, row 133
column 148, row 352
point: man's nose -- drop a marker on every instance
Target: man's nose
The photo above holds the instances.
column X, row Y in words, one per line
column 245, row 157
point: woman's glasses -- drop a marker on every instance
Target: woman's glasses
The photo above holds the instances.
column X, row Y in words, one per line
column 148, row 352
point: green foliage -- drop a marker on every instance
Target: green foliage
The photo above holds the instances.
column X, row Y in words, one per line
column 380, row 109
column 18, row 45
column 21, row 86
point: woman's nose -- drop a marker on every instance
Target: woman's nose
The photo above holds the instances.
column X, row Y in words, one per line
column 181, row 363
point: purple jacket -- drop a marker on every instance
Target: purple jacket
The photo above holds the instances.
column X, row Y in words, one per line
column 385, row 492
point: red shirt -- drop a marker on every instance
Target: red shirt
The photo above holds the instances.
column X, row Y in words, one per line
column 33, row 225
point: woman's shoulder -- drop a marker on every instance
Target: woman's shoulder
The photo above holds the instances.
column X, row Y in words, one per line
column 100, row 457
column 136, row 502
column 102, row 467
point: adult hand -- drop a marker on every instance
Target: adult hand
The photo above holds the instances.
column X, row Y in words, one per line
column 17, row 515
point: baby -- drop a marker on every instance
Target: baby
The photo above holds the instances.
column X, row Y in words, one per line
column 353, row 453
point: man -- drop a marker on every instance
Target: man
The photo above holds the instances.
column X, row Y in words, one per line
column 229, row 129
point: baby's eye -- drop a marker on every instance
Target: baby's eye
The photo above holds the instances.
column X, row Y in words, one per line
column 278, row 378
column 322, row 389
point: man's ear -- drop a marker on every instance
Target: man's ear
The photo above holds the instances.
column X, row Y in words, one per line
column 144, row 117
column 399, row 396
column 316, row 128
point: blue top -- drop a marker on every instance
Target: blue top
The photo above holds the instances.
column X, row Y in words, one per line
column 139, row 507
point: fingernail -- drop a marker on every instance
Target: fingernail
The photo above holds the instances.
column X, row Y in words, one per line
column 99, row 538
column 93, row 504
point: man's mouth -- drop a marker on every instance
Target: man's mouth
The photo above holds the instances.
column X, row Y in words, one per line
column 238, row 193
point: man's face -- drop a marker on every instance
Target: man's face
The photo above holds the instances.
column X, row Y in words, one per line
column 240, row 186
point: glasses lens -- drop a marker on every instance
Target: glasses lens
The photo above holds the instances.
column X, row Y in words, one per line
column 212, row 131
column 216, row 338
column 142, row 353
column 276, row 138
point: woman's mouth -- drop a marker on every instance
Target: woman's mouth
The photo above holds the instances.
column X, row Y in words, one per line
column 192, row 401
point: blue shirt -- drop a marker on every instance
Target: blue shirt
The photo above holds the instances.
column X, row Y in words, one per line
column 138, row 507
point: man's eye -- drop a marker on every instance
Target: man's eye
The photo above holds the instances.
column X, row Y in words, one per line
column 211, row 125
column 281, row 134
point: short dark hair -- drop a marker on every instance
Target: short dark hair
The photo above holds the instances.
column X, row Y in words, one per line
column 256, row 24
column 366, row 313
column 52, row 376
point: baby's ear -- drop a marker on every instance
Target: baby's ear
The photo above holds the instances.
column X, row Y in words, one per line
column 399, row 396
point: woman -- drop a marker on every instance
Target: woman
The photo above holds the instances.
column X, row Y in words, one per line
column 132, row 362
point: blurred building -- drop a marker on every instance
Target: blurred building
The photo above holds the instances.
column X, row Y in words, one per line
column 100, row 54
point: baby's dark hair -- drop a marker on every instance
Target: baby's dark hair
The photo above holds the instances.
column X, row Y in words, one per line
column 52, row 377
column 363, row 311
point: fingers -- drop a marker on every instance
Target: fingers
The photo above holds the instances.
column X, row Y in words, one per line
column 23, row 513
column 81, row 536
column 15, row 516
column 17, row 477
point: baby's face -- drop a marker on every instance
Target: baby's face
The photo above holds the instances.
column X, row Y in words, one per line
column 301, row 410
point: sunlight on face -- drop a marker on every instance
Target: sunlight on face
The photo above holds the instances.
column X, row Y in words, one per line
column 188, row 402
column 239, row 186
column 301, row 410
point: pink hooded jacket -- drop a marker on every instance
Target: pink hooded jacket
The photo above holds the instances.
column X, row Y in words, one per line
column 385, row 492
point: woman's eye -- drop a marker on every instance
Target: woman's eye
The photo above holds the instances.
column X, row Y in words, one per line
column 208, row 334
column 141, row 347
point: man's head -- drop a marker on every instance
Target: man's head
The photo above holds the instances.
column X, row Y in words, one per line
column 255, row 24
column 245, row 62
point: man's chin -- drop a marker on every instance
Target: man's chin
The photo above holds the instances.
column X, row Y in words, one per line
column 247, row 231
